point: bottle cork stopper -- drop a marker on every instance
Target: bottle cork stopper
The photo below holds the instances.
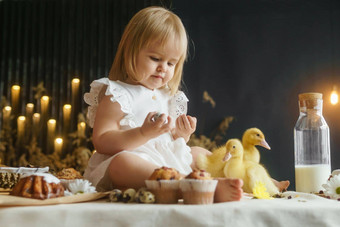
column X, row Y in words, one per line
column 309, row 100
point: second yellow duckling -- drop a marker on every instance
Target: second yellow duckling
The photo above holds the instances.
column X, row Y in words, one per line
column 250, row 172
column 213, row 163
column 253, row 137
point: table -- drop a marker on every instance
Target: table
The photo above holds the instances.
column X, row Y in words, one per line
column 301, row 210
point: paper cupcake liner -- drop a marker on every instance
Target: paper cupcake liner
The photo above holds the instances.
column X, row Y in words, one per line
column 162, row 184
column 194, row 197
column 198, row 185
column 165, row 191
column 198, row 191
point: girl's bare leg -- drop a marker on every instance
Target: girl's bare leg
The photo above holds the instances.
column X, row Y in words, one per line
column 130, row 171
column 227, row 189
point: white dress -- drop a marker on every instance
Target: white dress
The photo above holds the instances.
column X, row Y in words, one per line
column 136, row 102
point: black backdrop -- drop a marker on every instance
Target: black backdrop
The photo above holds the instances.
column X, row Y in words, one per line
column 254, row 58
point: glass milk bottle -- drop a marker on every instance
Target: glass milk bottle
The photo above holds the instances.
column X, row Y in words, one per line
column 311, row 145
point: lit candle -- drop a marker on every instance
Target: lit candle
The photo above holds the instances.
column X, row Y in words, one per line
column 36, row 120
column 51, row 125
column 36, row 124
column 44, row 100
column 21, row 128
column 15, row 93
column 66, row 117
column 81, row 129
column 29, row 109
column 29, row 115
column 58, row 146
column 75, row 87
column 6, row 115
column 75, row 102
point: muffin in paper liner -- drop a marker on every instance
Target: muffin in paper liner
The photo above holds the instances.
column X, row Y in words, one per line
column 198, row 191
column 165, row 191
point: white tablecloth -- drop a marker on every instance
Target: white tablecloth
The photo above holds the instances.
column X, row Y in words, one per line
column 301, row 210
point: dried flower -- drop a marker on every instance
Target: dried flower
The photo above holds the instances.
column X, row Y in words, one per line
column 332, row 187
column 260, row 191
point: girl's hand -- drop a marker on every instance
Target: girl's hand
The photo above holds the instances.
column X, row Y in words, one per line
column 155, row 125
column 185, row 126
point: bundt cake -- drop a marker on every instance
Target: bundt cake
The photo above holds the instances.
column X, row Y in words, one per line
column 38, row 186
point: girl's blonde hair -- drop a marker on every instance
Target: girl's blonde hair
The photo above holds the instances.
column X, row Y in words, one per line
column 149, row 25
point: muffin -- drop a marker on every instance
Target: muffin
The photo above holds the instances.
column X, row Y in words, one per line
column 68, row 176
column 164, row 184
column 198, row 188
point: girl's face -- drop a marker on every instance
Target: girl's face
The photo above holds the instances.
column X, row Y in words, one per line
column 156, row 64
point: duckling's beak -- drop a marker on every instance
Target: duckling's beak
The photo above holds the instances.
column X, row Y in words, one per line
column 227, row 156
column 264, row 144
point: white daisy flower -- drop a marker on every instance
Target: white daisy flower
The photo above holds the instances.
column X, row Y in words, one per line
column 67, row 193
column 81, row 186
column 332, row 188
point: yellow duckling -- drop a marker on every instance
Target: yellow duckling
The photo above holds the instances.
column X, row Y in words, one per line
column 250, row 172
column 251, row 138
column 213, row 163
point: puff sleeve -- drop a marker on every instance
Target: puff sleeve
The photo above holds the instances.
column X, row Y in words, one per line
column 178, row 105
column 116, row 91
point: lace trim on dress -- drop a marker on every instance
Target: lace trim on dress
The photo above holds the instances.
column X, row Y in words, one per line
column 118, row 95
column 178, row 104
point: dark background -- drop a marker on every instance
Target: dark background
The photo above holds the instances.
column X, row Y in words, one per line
column 253, row 57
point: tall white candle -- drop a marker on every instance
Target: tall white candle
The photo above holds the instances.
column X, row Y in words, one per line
column 20, row 128
column 29, row 109
column 44, row 101
column 6, row 116
column 66, row 117
column 51, row 125
column 36, row 124
column 75, row 103
column 75, row 87
column 29, row 116
column 81, row 129
column 15, row 93
column 58, row 145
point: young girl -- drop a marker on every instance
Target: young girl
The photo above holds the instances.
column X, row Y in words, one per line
column 138, row 114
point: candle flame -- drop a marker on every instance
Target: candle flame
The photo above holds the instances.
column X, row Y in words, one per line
column 75, row 81
column 59, row 140
column 36, row 115
column 30, row 105
column 52, row 121
column 334, row 97
column 16, row 87
column 67, row 106
column 82, row 124
column 8, row 108
column 45, row 98
column 21, row 118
